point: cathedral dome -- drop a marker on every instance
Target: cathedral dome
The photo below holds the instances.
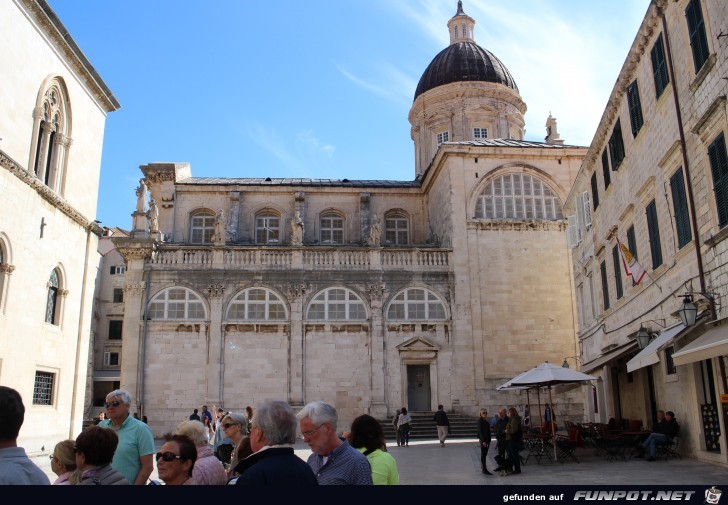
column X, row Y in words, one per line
column 463, row 62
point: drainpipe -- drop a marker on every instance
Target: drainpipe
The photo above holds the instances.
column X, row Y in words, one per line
column 79, row 336
column 143, row 345
column 686, row 167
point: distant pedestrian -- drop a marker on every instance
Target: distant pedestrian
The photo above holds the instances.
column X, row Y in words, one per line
column 514, row 438
column 404, row 425
column 500, row 434
column 194, row 416
column 102, row 417
column 396, row 429
column 443, row 424
column 484, row 438
column 206, row 413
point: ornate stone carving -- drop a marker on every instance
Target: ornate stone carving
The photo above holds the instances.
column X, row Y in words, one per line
column 295, row 291
column 134, row 288
column 215, row 290
column 297, row 230
column 5, row 268
column 141, row 193
column 376, row 291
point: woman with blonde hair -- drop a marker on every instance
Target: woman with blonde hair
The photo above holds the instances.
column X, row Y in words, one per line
column 63, row 462
column 208, row 470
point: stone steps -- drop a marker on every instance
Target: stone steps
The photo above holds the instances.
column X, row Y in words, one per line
column 423, row 426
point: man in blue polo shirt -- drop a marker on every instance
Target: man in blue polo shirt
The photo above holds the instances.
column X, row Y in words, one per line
column 134, row 454
column 333, row 460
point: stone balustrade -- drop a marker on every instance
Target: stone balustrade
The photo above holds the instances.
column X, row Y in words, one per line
column 310, row 259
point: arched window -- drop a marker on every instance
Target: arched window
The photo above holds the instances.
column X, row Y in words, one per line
column 332, row 228
column 257, row 304
column 518, row 196
column 51, row 139
column 396, row 228
column 6, row 268
column 337, row 304
column 416, row 304
column 52, row 299
column 267, row 228
column 202, row 227
column 177, row 303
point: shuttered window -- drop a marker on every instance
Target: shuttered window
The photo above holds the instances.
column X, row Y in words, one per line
column 635, row 108
column 659, row 67
column 696, row 29
column 617, row 272
column 719, row 168
column 605, row 169
column 616, row 146
column 595, row 190
column 632, row 244
column 653, row 229
column 680, row 205
column 605, row 285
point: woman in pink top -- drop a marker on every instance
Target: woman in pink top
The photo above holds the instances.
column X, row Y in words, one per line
column 63, row 462
column 208, row 470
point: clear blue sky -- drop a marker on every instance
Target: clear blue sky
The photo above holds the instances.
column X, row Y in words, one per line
column 321, row 88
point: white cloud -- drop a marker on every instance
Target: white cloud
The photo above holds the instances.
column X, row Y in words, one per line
column 312, row 144
column 398, row 85
column 273, row 144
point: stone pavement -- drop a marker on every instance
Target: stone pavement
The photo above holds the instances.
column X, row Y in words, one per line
column 424, row 462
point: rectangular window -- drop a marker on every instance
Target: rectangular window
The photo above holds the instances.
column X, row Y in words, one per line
column 443, row 137
column 43, row 388
column 616, row 146
column 635, row 108
column 616, row 260
column 680, row 204
column 115, row 329
column 605, row 285
column 595, row 190
column 659, row 67
column 118, row 296
column 719, row 168
column 605, row 169
column 112, row 358
column 696, row 30
column 653, row 229
column 480, row 133
column 669, row 363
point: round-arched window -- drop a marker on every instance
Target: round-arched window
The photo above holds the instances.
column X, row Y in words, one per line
column 416, row 304
column 337, row 304
column 518, row 196
column 177, row 303
column 257, row 304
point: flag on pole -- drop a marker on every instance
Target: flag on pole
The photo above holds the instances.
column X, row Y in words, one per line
column 631, row 265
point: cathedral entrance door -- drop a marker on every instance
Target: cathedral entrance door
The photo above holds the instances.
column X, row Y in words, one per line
column 418, row 387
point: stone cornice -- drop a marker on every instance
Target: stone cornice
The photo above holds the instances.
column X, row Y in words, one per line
column 517, row 225
column 50, row 24
column 48, row 194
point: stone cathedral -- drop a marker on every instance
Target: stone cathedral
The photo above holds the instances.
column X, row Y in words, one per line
column 370, row 294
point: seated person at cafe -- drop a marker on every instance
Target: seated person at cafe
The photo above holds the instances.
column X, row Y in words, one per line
column 662, row 432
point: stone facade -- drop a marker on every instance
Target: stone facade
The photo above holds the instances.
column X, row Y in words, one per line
column 663, row 183
column 52, row 119
column 449, row 300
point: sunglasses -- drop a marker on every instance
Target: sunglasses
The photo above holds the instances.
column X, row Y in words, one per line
column 115, row 403
column 167, row 456
column 227, row 425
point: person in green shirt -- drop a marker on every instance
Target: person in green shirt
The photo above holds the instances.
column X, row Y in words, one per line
column 367, row 435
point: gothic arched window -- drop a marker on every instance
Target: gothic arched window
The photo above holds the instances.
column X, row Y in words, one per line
column 257, row 304
column 51, row 141
column 177, row 303
column 337, row 304
column 518, row 196
column 202, row 226
column 416, row 304
column 267, row 228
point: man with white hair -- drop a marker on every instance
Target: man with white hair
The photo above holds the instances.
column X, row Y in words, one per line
column 273, row 462
column 135, row 453
column 333, row 460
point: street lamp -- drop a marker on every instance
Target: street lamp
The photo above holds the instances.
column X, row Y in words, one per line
column 565, row 364
column 643, row 337
column 688, row 312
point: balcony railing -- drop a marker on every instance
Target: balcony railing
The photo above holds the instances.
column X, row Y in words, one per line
column 310, row 259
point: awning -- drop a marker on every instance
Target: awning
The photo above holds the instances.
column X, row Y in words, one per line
column 649, row 355
column 712, row 343
column 107, row 375
column 606, row 358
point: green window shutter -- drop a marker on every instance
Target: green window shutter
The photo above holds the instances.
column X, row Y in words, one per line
column 696, row 30
column 680, row 204
column 635, row 108
column 719, row 168
column 653, row 229
column 659, row 67
column 617, row 271
column 605, row 285
column 605, row 169
column 595, row 190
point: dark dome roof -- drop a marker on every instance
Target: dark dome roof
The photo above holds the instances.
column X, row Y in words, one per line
column 464, row 61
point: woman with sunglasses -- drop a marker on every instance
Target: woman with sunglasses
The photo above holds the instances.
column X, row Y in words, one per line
column 175, row 461
column 94, row 450
column 63, row 462
column 235, row 427
column 208, row 469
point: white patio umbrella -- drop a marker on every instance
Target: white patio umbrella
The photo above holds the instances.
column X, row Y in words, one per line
column 548, row 375
column 506, row 386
